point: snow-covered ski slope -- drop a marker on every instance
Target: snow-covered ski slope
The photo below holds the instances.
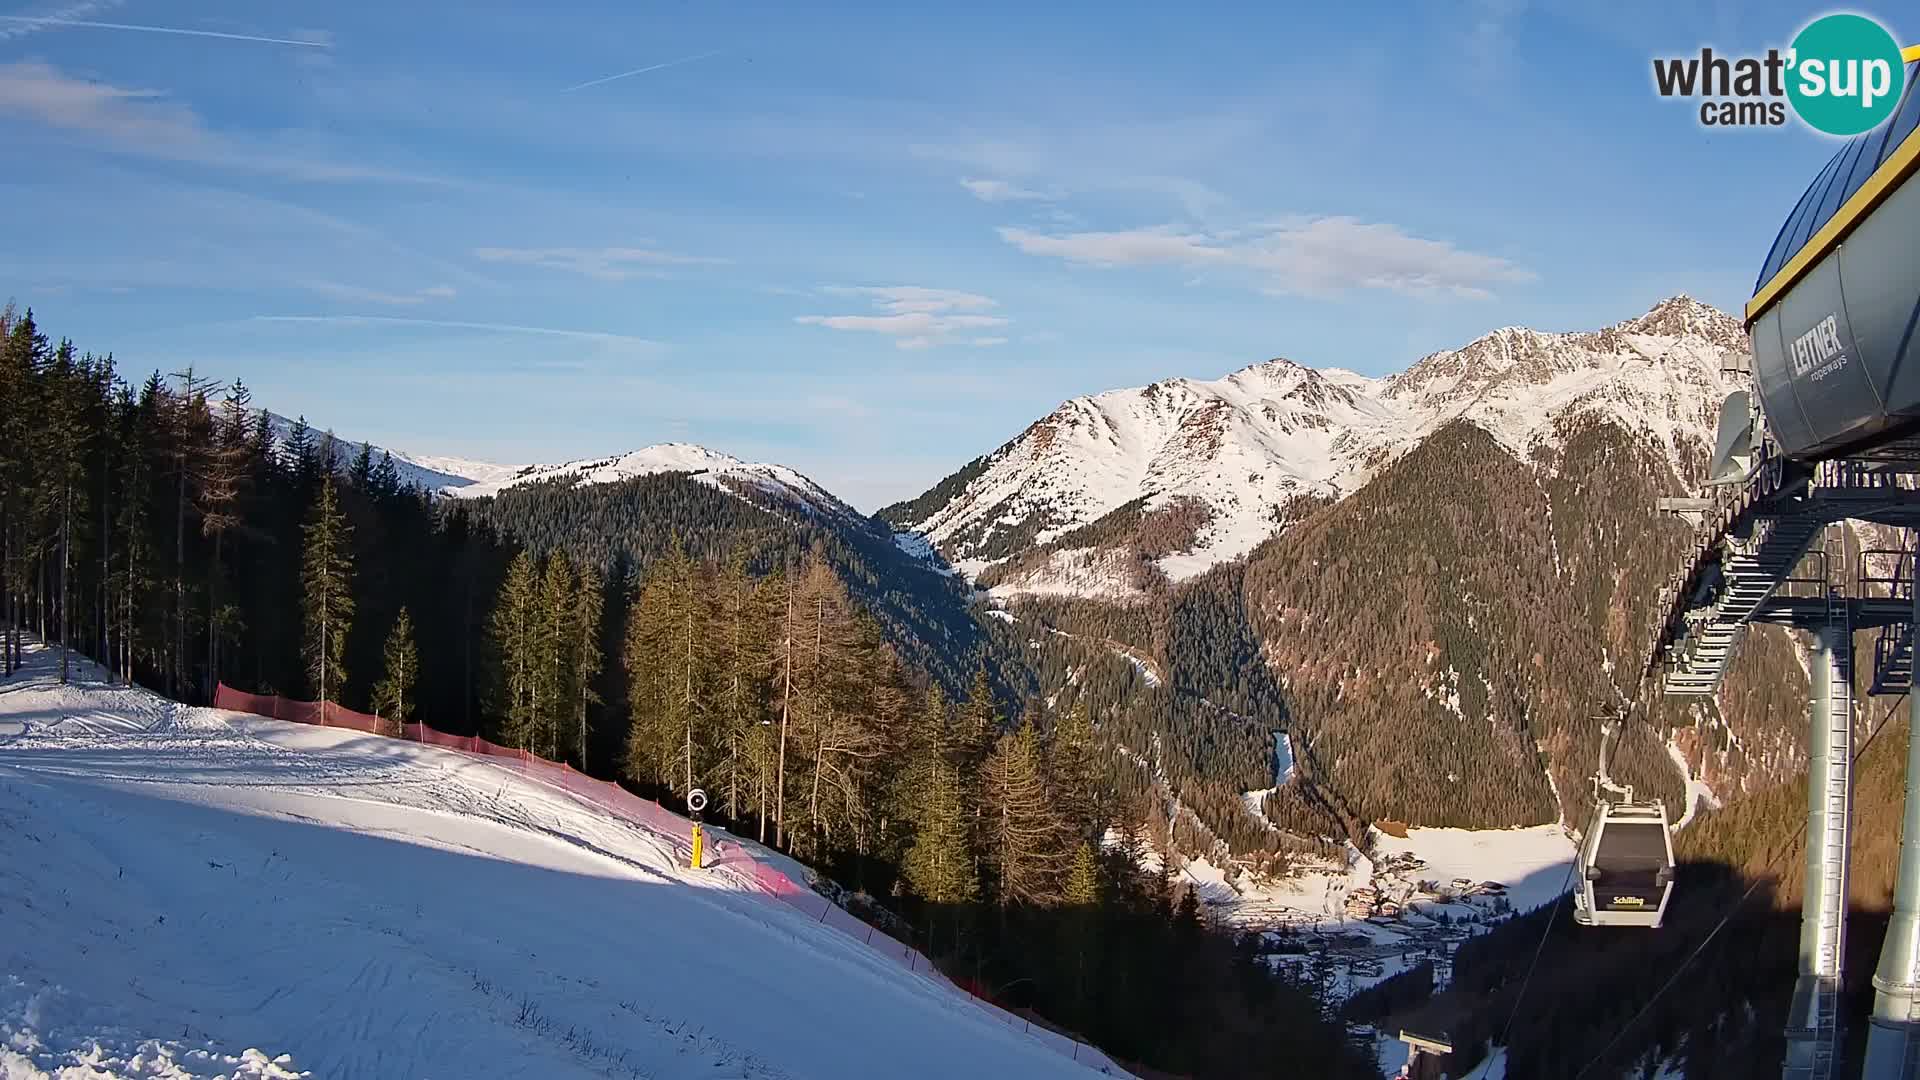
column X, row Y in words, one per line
column 193, row 893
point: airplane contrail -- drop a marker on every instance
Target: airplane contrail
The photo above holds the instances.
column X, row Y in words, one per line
column 644, row 70
column 33, row 20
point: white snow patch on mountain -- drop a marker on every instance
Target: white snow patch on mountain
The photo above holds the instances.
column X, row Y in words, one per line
column 1698, row 793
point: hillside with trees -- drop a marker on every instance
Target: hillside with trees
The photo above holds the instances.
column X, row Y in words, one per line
column 163, row 530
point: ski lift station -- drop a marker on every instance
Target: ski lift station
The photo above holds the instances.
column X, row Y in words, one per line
column 1827, row 430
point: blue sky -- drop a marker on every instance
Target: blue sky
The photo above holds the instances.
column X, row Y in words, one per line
column 868, row 241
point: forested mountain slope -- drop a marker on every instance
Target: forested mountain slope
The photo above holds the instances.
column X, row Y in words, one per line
column 626, row 525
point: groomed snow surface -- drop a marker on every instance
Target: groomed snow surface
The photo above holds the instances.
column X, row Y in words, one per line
column 193, row 893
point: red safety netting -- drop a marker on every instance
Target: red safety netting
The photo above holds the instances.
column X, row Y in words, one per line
column 651, row 815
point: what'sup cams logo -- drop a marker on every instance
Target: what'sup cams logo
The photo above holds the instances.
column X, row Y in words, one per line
column 1842, row 75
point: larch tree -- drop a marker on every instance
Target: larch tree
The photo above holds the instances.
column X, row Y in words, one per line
column 1022, row 838
column 326, row 579
column 743, row 619
column 666, row 667
column 393, row 694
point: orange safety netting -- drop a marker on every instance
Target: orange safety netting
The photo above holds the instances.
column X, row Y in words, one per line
column 625, row 805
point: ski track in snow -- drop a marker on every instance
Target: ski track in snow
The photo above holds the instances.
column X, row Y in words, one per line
column 194, row 893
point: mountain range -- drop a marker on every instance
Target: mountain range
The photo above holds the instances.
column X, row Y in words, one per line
column 1237, row 459
column 1428, row 579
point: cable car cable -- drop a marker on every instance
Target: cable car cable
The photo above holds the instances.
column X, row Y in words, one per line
column 1566, row 888
column 1731, row 911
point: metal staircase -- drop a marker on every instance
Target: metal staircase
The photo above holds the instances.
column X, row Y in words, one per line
column 1750, row 574
column 1893, row 649
column 1750, row 539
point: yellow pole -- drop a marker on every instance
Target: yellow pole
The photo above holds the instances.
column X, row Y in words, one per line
column 696, row 845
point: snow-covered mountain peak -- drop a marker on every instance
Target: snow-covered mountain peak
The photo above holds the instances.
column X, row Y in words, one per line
column 468, row 479
column 1247, row 447
column 1681, row 316
column 713, row 467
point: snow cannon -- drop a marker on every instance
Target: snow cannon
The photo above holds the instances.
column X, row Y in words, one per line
column 1836, row 355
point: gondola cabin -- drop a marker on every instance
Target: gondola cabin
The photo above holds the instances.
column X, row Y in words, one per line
column 1626, row 866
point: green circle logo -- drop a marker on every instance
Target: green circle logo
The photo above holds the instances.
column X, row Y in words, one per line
column 1845, row 74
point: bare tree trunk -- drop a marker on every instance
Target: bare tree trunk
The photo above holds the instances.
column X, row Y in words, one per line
column 106, row 567
column 689, row 681
column 786, row 706
column 179, row 675
column 213, row 617
column 733, row 712
column 66, row 573
column 6, row 590
column 819, row 761
column 322, row 644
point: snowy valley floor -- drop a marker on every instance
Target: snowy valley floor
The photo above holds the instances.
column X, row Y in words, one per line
column 193, row 893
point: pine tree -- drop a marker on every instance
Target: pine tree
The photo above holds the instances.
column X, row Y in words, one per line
column 1071, row 774
column 978, row 724
column 393, row 695
column 384, row 483
column 926, row 751
column 360, row 473
column 514, row 628
column 326, row 580
column 189, row 428
column 61, row 443
column 1083, row 878
column 223, row 472
column 666, row 669
column 557, row 641
column 1022, row 839
column 300, row 455
column 940, row 865
column 589, row 603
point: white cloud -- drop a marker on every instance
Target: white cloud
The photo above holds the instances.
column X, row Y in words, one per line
column 1131, row 247
column 144, row 122
column 604, row 264
column 1310, row 256
column 995, row 191
column 907, row 298
column 377, row 296
column 916, row 317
